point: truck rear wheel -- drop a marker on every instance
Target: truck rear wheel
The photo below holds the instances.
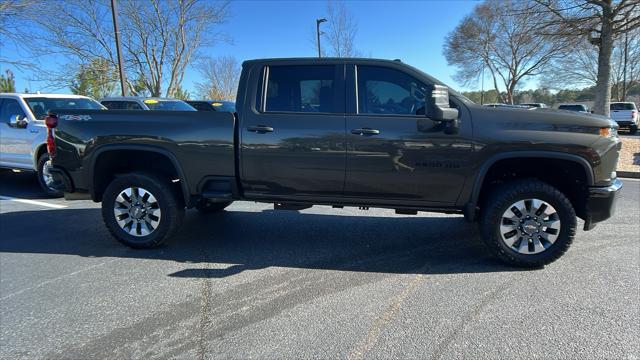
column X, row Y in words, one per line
column 528, row 223
column 205, row 206
column 141, row 210
column 44, row 178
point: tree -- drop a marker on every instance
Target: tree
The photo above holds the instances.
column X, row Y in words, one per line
column 160, row 38
column 341, row 30
column 180, row 93
column 7, row 83
column 163, row 39
column 220, row 78
column 501, row 37
column 11, row 15
column 600, row 22
column 97, row 79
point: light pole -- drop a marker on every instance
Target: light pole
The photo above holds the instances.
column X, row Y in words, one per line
column 123, row 79
column 624, row 71
column 318, row 22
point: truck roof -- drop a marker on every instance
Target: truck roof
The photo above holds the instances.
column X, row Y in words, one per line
column 334, row 60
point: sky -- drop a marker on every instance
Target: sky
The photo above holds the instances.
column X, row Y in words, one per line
column 413, row 31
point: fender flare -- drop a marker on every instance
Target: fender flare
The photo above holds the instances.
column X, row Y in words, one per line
column 470, row 207
column 138, row 147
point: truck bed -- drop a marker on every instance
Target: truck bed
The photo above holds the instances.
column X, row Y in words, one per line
column 199, row 143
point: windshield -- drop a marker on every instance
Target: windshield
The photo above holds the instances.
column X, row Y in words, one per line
column 168, row 105
column 622, row 106
column 40, row 106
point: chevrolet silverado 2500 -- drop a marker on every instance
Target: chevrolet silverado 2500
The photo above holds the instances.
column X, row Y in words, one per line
column 346, row 132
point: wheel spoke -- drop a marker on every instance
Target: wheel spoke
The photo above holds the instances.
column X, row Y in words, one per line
column 137, row 211
column 529, row 226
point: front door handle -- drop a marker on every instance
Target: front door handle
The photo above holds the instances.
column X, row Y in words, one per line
column 260, row 129
column 365, row 132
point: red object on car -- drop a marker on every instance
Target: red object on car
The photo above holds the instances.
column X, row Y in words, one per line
column 51, row 121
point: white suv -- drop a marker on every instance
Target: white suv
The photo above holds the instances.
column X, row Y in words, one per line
column 23, row 132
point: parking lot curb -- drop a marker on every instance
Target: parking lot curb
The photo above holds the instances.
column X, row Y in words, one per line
column 629, row 174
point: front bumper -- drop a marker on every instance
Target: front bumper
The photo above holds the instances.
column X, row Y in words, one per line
column 601, row 203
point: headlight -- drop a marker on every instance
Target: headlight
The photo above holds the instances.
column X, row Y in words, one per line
column 608, row 132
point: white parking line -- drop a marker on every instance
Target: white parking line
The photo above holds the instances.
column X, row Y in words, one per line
column 33, row 202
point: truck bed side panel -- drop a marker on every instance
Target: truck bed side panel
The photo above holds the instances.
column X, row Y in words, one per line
column 200, row 142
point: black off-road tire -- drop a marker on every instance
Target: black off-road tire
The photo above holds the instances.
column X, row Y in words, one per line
column 168, row 200
column 509, row 193
column 205, row 206
column 633, row 129
column 42, row 160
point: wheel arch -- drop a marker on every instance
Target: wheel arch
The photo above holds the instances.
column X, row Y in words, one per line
column 474, row 198
column 148, row 149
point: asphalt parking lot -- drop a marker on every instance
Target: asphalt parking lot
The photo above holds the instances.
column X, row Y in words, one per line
column 323, row 283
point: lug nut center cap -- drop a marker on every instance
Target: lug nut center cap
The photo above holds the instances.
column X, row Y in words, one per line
column 530, row 227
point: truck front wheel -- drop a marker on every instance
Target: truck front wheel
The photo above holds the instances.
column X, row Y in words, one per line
column 141, row 210
column 528, row 223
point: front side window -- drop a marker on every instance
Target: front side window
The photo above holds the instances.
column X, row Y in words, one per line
column 304, row 88
column 10, row 107
column 385, row 91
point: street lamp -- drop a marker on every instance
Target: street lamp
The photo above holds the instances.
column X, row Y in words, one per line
column 318, row 22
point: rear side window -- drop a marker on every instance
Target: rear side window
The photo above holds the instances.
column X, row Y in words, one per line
column 304, row 88
column 622, row 106
column 388, row 91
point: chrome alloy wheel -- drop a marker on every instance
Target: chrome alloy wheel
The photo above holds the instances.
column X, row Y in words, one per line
column 46, row 175
column 137, row 211
column 530, row 226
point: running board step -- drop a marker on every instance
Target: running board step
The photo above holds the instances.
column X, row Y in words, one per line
column 291, row 206
column 217, row 195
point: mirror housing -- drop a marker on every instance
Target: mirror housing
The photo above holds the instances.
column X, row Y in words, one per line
column 18, row 121
column 438, row 109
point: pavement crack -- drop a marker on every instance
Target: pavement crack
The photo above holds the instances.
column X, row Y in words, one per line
column 383, row 320
column 205, row 307
column 491, row 296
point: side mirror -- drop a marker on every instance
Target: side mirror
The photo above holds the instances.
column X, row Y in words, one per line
column 18, row 121
column 438, row 108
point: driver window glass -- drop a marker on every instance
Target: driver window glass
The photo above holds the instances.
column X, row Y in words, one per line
column 9, row 108
column 386, row 91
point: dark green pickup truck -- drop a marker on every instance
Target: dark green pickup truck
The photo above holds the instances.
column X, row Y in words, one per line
column 345, row 132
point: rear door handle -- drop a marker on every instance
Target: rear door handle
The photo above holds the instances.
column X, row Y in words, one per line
column 365, row 132
column 260, row 129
